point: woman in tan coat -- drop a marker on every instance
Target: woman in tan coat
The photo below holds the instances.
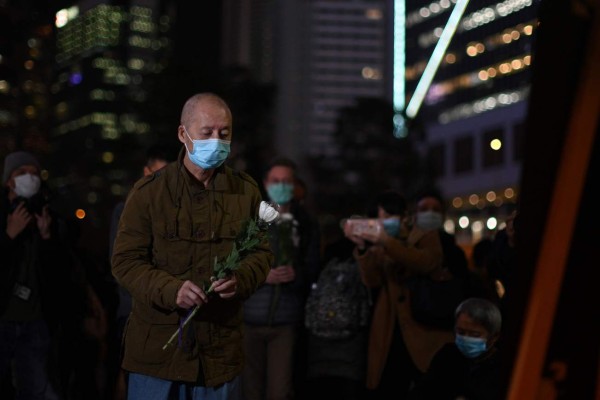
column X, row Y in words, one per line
column 399, row 348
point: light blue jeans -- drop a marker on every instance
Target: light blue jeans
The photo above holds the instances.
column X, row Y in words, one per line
column 144, row 387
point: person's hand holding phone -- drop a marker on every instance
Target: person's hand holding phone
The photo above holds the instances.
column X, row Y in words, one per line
column 350, row 233
column 372, row 231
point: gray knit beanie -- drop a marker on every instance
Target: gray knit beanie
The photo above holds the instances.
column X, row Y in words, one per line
column 15, row 160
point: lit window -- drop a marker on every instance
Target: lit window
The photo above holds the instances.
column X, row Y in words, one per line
column 108, row 157
column 495, row 144
column 373, row 13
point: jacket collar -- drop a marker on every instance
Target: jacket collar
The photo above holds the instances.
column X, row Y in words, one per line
column 220, row 180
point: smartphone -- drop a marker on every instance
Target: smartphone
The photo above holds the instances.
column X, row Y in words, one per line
column 364, row 225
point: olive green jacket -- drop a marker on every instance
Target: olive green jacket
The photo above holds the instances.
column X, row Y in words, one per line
column 172, row 229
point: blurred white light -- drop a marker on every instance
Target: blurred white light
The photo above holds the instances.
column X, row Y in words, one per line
column 477, row 226
column 65, row 15
column 491, row 223
column 449, row 226
column 463, row 222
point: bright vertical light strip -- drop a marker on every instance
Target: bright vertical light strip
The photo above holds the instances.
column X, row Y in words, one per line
column 399, row 54
column 436, row 57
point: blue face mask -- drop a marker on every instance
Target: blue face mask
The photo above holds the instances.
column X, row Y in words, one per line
column 471, row 347
column 280, row 193
column 392, row 226
column 208, row 153
column 429, row 220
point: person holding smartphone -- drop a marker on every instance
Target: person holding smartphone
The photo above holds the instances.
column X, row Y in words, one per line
column 399, row 348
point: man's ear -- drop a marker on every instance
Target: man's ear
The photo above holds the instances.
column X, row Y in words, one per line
column 181, row 134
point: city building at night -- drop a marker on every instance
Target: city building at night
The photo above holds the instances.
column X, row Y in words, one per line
column 79, row 90
column 26, row 67
column 104, row 53
column 322, row 55
column 347, row 45
column 474, row 109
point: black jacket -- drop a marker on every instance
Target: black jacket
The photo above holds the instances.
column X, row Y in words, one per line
column 53, row 266
column 452, row 375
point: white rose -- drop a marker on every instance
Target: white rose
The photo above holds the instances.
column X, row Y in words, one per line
column 267, row 212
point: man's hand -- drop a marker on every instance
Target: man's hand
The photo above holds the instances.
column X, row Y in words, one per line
column 17, row 221
column 226, row 287
column 190, row 295
column 281, row 274
column 43, row 223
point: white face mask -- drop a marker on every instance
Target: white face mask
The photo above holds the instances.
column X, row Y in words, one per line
column 27, row 185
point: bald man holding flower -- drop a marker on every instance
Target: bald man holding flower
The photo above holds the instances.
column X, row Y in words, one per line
column 177, row 225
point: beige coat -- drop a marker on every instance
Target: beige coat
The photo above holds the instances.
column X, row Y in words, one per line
column 387, row 267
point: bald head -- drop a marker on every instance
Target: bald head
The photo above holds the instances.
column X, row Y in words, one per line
column 190, row 108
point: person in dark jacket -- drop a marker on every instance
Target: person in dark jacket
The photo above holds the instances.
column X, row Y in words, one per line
column 502, row 260
column 33, row 277
column 468, row 368
column 274, row 315
column 176, row 224
column 430, row 216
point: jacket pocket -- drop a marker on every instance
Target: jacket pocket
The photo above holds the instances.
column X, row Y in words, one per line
column 151, row 315
column 229, row 230
column 225, row 235
column 144, row 342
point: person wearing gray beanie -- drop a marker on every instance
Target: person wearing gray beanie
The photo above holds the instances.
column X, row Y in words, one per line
column 16, row 160
column 33, row 278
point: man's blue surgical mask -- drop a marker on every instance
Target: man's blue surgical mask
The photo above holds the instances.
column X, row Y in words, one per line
column 392, row 226
column 208, row 153
column 470, row 347
column 280, row 193
column 429, row 220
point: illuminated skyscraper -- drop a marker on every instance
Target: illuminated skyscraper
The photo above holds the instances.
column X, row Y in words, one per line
column 474, row 110
column 104, row 53
column 347, row 58
column 325, row 54
column 322, row 55
column 26, row 60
